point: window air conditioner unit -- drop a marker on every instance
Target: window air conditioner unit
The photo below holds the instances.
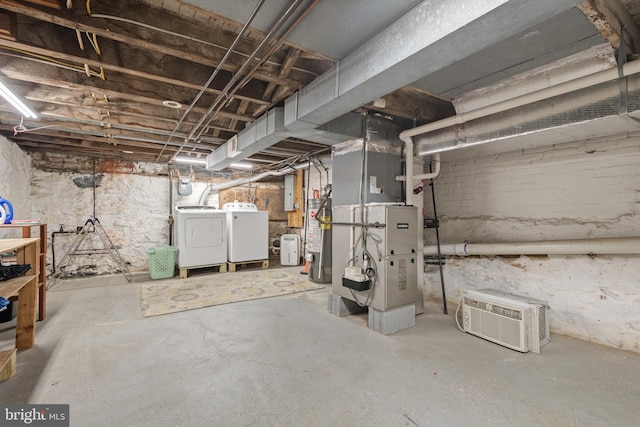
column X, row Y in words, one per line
column 513, row 321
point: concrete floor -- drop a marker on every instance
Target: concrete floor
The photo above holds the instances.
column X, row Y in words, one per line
column 287, row 361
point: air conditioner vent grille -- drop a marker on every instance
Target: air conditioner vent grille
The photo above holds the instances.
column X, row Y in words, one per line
column 499, row 328
column 493, row 308
column 542, row 321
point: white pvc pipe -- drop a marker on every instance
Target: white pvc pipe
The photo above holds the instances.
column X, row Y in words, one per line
column 628, row 69
column 408, row 143
column 613, row 246
column 430, row 175
column 406, row 136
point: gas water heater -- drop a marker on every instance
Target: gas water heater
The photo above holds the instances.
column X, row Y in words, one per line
column 319, row 240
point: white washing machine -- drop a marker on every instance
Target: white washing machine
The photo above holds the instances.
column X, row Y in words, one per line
column 248, row 232
column 200, row 234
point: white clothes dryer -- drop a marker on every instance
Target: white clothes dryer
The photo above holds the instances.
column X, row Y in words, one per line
column 200, row 235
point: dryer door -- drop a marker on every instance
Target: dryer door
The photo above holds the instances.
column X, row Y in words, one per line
column 204, row 232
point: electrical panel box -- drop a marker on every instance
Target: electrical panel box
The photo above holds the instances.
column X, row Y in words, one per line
column 289, row 204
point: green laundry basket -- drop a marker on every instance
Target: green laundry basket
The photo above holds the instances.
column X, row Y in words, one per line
column 162, row 262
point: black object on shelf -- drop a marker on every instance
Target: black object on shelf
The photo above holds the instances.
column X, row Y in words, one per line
column 8, row 272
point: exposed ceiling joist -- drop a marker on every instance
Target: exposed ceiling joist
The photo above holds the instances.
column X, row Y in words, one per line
column 153, row 51
column 614, row 22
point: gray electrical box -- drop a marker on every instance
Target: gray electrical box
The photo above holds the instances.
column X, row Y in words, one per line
column 289, row 205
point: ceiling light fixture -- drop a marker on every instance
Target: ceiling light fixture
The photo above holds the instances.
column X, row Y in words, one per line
column 171, row 104
column 17, row 104
column 241, row 165
column 127, row 152
column 189, row 160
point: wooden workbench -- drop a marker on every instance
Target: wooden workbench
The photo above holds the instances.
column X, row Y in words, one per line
column 42, row 278
column 28, row 252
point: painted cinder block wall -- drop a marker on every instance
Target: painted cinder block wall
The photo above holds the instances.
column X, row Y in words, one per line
column 15, row 172
column 580, row 190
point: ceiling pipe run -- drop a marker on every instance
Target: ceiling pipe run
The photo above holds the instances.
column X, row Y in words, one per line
column 226, row 92
column 248, row 180
column 213, row 76
column 628, row 69
column 407, row 136
column 613, row 246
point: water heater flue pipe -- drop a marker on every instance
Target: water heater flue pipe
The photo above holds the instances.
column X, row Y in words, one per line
column 612, row 246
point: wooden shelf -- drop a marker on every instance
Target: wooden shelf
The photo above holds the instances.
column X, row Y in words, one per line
column 42, row 280
column 7, row 363
column 11, row 287
column 26, row 287
column 8, row 245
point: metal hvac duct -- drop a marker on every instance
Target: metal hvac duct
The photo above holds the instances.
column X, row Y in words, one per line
column 615, row 98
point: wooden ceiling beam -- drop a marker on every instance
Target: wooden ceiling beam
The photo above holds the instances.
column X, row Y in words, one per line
column 43, row 99
column 235, row 27
column 88, row 144
column 609, row 16
column 158, row 76
column 117, row 88
column 142, row 38
column 46, row 134
column 108, row 154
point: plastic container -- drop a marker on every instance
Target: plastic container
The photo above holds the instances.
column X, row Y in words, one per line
column 9, row 313
column 7, row 207
column 162, row 262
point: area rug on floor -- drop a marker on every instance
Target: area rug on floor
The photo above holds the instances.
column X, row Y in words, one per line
column 175, row 295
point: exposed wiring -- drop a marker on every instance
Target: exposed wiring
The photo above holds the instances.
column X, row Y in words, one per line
column 20, row 128
column 218, row 67
column 50, row 61
column 93, row 39
column 237, row 80
column 194, row 39
column 372, row 271
column 79, row 36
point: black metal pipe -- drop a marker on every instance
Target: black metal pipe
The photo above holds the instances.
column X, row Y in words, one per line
column 357, row 224
column 435, row 220
column 53, row 247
